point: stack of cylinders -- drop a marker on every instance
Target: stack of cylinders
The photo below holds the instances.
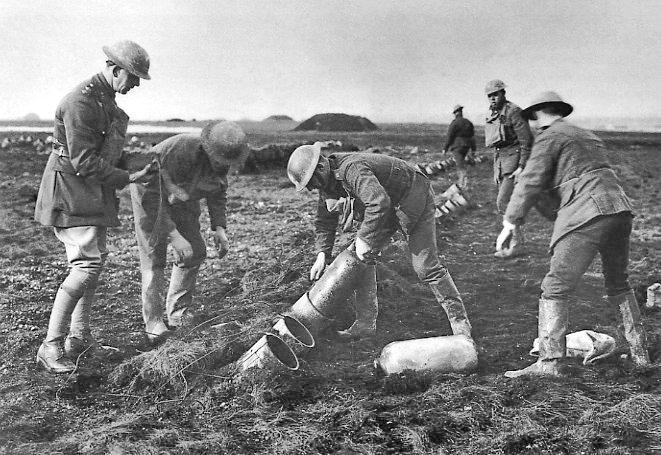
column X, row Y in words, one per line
column 444, row 354
column 455, row 202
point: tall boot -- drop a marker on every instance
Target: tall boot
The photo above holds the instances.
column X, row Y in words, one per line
column 448, row 296
column 634, row 332
column 516, row 247
column 366, row 306
column 153, row 287
column 80, row 338
column 180, row 295
column 552, row 330
column 51, row 352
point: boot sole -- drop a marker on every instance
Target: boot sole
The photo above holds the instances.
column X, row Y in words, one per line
column 43, row 363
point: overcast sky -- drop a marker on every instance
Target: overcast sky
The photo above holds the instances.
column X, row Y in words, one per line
column 386, row 60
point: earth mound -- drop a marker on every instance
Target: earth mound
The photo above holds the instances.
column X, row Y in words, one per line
column 278, row 118
column 336, row 122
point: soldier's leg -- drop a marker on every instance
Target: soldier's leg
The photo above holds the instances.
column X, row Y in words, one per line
column 572, row 255
column 152, row 248
column 85, row 262
column 184, row 276
column 366, row 307
column 424, row 256
column 614, row 250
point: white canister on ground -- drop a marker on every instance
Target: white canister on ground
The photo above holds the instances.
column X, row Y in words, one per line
column 445, row 354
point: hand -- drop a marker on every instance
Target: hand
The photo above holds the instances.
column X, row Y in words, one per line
column 515, row 174
column 221, row 241
column 505, row 235
column 443, row 152
column 362, row 249
column 318, row 267
column 182, row 247
column 144, row 174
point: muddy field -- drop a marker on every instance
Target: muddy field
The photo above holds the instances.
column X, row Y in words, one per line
column 184, row 398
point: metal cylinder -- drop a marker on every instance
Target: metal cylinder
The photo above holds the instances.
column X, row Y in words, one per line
column 271, row 353
column 288, row 327
column 653, row 296
column 445, row 354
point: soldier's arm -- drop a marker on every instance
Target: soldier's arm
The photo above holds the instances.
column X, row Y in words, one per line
column 325, row 226
column 452, row 131
column 79, row 120
column 523, row 134
column 217, row 204
column 375, row 228
column 535, row 178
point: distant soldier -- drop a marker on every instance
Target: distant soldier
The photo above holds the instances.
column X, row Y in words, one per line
column 570, row 166
column 385, row 194
column 77, row 194
column 510, row 137
column 460, row 141
column 167, row 210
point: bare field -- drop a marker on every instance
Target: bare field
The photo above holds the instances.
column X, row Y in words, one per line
column 183, row 398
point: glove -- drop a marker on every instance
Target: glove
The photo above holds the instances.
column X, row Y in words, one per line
column 144, row 174
column 318, row 267
column 515, row 174
column 221, row 241
column 443, row 152
column 505, row 235
column 182, row 247
column 363, row 250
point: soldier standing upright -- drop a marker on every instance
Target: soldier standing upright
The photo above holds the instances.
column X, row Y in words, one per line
column 460, row 141
column 77, row 194
column 510, row 137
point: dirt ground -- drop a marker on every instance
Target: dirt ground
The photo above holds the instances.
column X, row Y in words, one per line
column 185, row 398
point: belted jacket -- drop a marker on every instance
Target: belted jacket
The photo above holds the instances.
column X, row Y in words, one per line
column 461, row 134
column 84, row 169
column 515, row 150
column 377, row 183
column 184, row 163
column 569, row 165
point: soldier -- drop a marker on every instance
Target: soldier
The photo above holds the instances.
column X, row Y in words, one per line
column 167, row 209
column 77, row 194
column 510, row 137
column 385, row 194
column 593, row 216
column 460, row 141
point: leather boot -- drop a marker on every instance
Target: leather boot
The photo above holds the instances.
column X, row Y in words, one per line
column 180, row 295
column 516, row 246
column 448, row 296
column 634, row 332
column 51, row 356
column 367, row 309
column 552, row 330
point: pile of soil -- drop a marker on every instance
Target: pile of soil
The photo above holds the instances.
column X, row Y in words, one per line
column 336, row 122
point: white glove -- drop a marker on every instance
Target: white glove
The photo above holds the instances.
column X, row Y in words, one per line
column 362, row 248
column 515, row 174
column 505, row 235
column 318, row 267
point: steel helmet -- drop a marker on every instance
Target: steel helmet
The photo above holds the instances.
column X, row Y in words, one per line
column 546, row 98
column 224, row 142
column 494, row 86
column 130, row 56
column 458, row 107
column 302, row 164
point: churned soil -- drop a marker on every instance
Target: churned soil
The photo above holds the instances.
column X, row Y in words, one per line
column 186, row 397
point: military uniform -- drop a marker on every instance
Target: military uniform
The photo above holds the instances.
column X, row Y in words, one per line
column 183, row 161
column 387, row 194
column 594, row 215
column 570, row 164
column 77, row 193
column 510, row 153
column 460, row 140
